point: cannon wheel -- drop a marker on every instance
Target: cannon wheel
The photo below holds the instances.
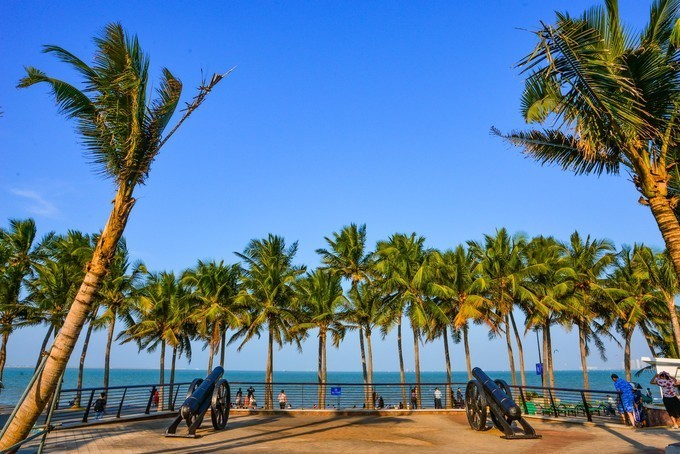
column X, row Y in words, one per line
column 502, row 384
column 475, row 405
column 193, row 387
column 221, row 401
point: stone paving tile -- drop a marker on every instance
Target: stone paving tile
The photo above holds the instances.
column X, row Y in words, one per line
column 360, row 434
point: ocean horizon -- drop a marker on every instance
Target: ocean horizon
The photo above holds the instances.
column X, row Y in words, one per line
column 15, row 379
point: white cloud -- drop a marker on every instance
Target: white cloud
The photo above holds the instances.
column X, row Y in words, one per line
column 39, row 205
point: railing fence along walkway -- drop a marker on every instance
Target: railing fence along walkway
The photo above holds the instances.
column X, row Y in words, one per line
column 76, row 406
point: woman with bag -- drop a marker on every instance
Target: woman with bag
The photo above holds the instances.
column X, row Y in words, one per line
column 670, row 395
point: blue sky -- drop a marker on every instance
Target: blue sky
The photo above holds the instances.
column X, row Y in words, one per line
column 367, row 112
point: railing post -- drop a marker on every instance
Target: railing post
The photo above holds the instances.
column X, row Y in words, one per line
column 120, row 405
column 303, row 397
column 89, row 405
column 174, row 399
column 552, row 402
column 586, row 408
column 148, row 404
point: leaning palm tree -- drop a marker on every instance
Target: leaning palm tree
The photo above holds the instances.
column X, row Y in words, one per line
column 214, row 287
column 611, row 100
column 122, row 131
column 267, row 290
column 319, row 298
column 347, row 257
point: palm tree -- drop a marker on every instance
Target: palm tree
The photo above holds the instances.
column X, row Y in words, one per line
column 267, row 290
column 214, row 286
column 18, row 256
column 589, row 260
column 364, row 311
column 160, row 304
column 122, row 133
column 117, row 297
column 320, row 298
column 347, row 257
column 613, row 98
column 501, row 265
column 408, row 271
column 659, row 269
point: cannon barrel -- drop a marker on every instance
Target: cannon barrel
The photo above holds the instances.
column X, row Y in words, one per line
column 509, row 407
column 200, row 400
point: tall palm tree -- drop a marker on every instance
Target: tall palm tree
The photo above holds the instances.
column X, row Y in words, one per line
column 320, row 298
column 611, row 99
column 501, row 265
column 214, row 286
column 122, row 130
column 408, row 271
column 19, row 255
column 117, row 297
column 589, row 259
column 267, row 290
column 347, row 257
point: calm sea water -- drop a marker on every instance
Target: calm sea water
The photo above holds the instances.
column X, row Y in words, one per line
column 16, row 379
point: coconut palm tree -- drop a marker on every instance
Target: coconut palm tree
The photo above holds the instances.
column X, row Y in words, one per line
column 347, row 257
column 18, row 255
column 214, row 286
column 268, row 278
column 589, row 259
column 122, row 130
column 611, row 100
column 408, row 271
column 501, row 265
column 320, row 298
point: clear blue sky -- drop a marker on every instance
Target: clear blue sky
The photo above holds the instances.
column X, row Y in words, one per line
column 368, row 112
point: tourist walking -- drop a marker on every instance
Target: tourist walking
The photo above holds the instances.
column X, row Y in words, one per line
column 437, row 399
column 670, row 395
column 627, row 405
column 283, row 400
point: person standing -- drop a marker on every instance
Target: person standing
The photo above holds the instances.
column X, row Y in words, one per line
column 100, row 406
column 627, row 405
column 437, row 399
column 670, row 396
column 283, row 400
column 239, row 398
column 414, row 399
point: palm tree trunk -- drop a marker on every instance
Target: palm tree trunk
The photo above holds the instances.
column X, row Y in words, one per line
column 447, row 358
column 172, row 379
column 161, row 378
column 44, row 345
column 370, row 367
column 81, row 366
column 520, row 350
column 210, row 359
column 36, row 400
column 319, row 373
column 468, row 361
column 402, row 374
column 551, row 364
column 416, row 357
column 222, row 347
column 626, row 354
column 107, row 353
column 546, row 358
column 511, row 356
column 323, row 370
column 363, row 367
column 3, row 351
column 268, row 393
column 675, row 324
column 584, row 354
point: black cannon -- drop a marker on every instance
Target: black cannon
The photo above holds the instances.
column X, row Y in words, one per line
column 213, row 393
column 495, row 394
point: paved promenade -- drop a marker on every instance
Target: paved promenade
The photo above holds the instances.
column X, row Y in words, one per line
column 305, row 432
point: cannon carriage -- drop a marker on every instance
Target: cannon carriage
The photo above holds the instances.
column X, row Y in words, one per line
column 486, row 397
column 212, row 393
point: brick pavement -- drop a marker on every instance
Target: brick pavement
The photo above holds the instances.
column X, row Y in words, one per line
column 308, row 432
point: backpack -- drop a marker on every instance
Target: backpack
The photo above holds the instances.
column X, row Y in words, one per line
column 99, row 405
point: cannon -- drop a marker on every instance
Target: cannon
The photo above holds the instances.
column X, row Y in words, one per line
column 212, row 393
column 496, row 395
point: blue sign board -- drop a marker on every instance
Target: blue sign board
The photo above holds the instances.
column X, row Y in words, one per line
column 539, row 368
column 336, row 391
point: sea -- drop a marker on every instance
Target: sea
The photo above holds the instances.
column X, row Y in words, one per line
column 16, row 379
